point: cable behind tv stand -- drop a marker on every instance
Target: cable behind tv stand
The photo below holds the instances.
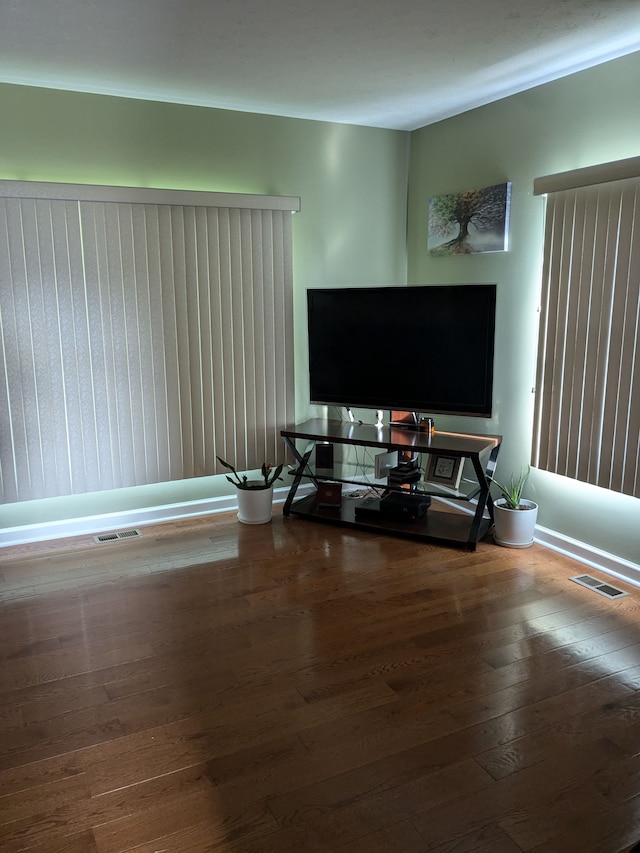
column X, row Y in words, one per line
column 475, row 455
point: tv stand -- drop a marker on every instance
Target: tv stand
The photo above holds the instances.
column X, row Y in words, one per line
column 478, row 454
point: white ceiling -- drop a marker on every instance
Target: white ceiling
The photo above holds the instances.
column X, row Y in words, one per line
column 382, row 63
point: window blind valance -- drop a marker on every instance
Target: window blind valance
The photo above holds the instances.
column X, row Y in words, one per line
column 146, row 195
column 603, row 173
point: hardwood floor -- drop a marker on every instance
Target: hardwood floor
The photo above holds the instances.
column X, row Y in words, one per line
column 212, row 686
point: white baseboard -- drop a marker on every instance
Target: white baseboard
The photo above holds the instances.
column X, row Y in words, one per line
column 581, row 552
column 110, row 522
column 622, row 569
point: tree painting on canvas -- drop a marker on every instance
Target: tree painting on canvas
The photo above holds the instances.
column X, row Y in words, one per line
column 469, row 222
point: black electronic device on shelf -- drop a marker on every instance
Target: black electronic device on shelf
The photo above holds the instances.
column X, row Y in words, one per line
column 394, row 506
column 404, row 506
column 404, row 474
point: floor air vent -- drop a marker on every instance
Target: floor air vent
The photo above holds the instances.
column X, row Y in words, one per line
column 599, row 586
column 113, row 537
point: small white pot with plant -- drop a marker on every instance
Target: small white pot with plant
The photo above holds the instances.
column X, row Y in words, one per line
column 514, row 516
column 255, row 497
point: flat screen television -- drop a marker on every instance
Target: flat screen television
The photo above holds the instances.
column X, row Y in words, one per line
column 426, row 349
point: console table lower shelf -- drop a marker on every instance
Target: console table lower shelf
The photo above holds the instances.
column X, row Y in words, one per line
column 437, row 525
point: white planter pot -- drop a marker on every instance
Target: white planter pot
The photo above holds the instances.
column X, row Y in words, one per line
column 514, row 528
column 255, row 505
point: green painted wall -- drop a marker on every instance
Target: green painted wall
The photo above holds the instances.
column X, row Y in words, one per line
column 351, row 230
column 591, row 117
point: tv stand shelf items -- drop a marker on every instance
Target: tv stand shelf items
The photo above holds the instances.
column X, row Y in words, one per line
column 346, row 458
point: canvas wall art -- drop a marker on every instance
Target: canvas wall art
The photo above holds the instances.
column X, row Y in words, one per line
column 469, row 222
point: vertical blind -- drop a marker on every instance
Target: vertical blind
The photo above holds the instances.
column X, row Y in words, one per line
column 587, row 405
column 140, row 339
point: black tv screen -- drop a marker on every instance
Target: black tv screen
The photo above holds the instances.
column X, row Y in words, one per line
column 426, row 349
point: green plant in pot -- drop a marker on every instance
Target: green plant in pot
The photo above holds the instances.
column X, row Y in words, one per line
column 514, row 516
column 255, row 496
column 269, row 476
column 512, row 494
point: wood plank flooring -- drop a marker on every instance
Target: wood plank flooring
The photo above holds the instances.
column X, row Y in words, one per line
column 291, row 687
